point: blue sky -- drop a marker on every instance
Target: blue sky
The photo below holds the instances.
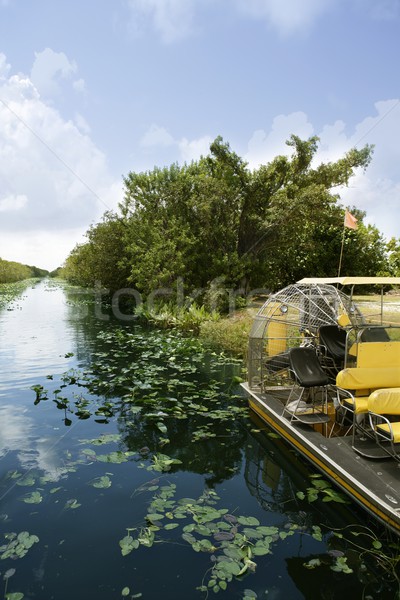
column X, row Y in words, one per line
column 91, row 90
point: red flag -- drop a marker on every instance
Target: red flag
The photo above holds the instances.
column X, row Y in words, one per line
column 350, row 221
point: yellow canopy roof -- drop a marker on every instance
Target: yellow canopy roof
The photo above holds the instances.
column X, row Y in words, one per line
column 353, row 280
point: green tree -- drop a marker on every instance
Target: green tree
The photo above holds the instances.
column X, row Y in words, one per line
column 393, row 249
column 11, row 271
column 102, row 258
column 216, row 218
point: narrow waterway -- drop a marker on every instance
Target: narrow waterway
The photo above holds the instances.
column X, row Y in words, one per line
column 131, row 467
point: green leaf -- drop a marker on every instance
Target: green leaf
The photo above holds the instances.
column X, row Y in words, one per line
column 248, row 521
column 312, row 564
column 72, row 503
column 249, row 595
column 233, row 551
column 260, row 550
column 154, row 516
column 28, row 481
column 127, row 544
column 268, row 530
column 102, row 482
column 229, row 567
column 162, row 427
column 321, row 484
column 14, row 596
column 125, row 591
column 33, row 498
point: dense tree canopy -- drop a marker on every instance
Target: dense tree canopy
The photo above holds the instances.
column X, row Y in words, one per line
column 11, row 271
column 216, row 218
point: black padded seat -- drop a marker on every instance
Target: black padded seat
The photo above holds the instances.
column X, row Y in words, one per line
column 374, row 334
column 306, row 368
column 333, row 339
column 308, row 374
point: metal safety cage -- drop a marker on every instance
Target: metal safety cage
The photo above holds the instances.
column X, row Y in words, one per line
column 290, row 318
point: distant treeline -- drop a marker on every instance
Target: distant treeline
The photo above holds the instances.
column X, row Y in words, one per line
column 215, row 224
column 11, row 271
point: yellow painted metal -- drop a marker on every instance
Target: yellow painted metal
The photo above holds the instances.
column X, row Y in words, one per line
column 352, row 280
column 373, row 508
column 277, row 337
column 378, row 354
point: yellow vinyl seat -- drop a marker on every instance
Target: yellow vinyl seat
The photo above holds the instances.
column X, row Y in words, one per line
column 384, row 415
column 368, row 379
column 361, row 383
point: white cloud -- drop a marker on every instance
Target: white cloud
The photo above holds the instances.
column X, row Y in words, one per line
column 55, row 181
column 13, row 203
column 79, row 85
column 156, row 136
column 43, row 248
column 157, row 139
column 4, row 67
column 17, row 434
column 287, row 16
column 82, row 124
column 293, row 16
column 263, row 147
column 49, row 68
column 171, row 19
column 377, row 191
column 193, row 149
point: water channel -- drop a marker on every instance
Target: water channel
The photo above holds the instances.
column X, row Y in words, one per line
column 131, row 467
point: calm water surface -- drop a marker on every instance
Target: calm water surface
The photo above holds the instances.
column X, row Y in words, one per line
column 85, row 453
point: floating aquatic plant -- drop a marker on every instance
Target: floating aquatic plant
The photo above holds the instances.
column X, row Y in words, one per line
column 18, row 544
column 322, row 489
column 233, row 542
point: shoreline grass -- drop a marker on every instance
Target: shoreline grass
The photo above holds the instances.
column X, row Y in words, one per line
column 229, row 333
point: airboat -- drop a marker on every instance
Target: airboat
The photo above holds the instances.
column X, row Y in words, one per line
column 324, row 373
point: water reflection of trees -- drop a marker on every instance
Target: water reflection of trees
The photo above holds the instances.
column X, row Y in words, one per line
column 274, row 473
column 218, row 455
column 219, row 458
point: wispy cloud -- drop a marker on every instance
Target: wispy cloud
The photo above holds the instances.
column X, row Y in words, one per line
column 286, row 16
column 381, row 10
column 50, row 68
column 264, row 146
column 13, row 203
column 371, row 190
column 54, row 178
column 157, row 139
column 173, row 20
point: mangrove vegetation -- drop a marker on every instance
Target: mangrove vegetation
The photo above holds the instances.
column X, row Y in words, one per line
column 11, row 271
column 190, row 229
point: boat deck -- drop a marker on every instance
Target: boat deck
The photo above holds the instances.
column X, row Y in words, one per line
column 373, row 483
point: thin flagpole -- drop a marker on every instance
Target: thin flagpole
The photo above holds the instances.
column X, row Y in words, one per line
column 341, row 251
column 342, row 248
